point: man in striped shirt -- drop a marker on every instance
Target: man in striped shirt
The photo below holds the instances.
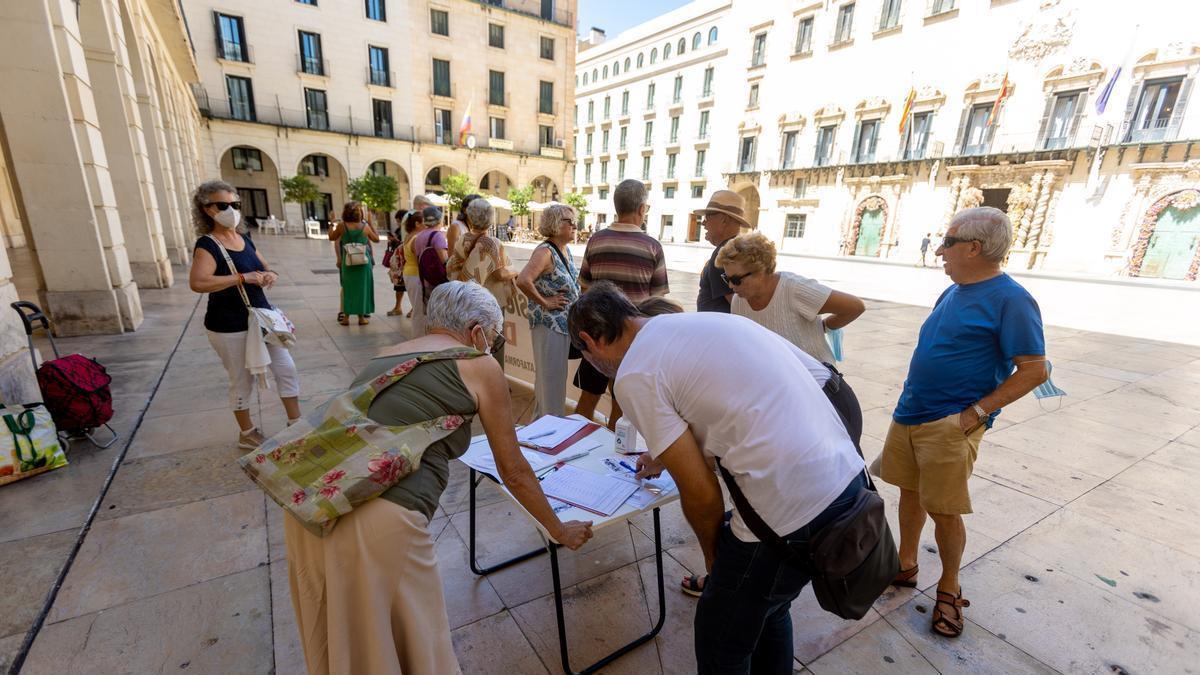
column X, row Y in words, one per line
column 633, row 260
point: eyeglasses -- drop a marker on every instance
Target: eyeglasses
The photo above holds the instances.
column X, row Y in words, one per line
column 498, row 342
column 735, row 279
column 568, row 221
column 949, row 241
column 221, row 206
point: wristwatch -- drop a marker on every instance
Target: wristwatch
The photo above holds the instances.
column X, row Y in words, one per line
column 979, row 411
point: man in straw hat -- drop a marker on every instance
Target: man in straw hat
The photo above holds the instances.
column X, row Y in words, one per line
column 724, row 218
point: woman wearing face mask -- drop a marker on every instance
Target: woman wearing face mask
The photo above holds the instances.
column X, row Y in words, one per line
column 216, row 216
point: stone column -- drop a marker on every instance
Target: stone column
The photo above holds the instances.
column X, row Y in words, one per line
column 17, row 381
column 61, row 168
column 174, row 156
column 1035, row 188
column 955, row 193
column 963, row 184
column 124, row 143
column 1039, row 216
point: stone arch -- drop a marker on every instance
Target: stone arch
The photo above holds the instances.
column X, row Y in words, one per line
column 496, row 182
column 1187, row 200
column 255, row 174
column 332, row 186
column 434, row 177
column 866, row 207
column 749, row 194
column 392, row 168
column 545, row 189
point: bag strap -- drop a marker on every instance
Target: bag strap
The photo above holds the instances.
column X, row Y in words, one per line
column 754, row 521
column 20, row 425
column 563, row 258
column 233, row 271
column 398, row 372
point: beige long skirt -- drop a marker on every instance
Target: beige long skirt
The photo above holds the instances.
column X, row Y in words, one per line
column 368, row 597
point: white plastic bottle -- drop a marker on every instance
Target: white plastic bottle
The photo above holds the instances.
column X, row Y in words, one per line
column 627, row 437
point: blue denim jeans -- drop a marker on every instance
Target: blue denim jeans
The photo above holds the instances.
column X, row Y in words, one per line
column 743, row 624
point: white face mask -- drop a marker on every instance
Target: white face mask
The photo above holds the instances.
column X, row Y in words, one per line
column 228, row 218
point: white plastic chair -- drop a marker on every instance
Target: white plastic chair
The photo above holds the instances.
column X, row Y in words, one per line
column 272, row 225
column 312, row 229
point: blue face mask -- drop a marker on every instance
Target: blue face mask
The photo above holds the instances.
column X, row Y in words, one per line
column 1048, row 389
column 834, row 338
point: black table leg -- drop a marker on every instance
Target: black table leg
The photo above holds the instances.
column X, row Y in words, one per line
column 562, row 627
column 471, row 536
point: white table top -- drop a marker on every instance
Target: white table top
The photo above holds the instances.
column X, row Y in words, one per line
column 593, row 461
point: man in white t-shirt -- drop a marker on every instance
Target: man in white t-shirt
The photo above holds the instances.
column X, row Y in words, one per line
column 706, row 386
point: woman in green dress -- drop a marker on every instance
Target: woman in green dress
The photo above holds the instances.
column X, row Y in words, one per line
column 352, row 239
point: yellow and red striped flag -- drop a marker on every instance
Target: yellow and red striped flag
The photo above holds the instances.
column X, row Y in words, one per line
column 999, row 99
column 912, row 95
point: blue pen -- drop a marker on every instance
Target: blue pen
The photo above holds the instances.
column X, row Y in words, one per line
column 628, row 468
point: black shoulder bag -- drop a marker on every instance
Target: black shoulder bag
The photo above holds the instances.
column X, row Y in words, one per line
column 852, row 560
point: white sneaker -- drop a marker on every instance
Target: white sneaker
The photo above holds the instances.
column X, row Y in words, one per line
column 250, row 440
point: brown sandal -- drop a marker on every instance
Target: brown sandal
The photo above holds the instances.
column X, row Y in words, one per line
column 943, row 624
column 364, row 320
column 342, row 319
column 907, row 578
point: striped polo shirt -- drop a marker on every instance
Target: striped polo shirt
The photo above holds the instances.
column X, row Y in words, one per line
column 634, row 261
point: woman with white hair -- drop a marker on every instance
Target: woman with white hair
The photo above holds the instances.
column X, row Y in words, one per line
column 550, row 282
column 367, row 595
column 480, row 257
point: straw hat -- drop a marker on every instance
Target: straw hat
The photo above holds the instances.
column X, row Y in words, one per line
column 728, row 203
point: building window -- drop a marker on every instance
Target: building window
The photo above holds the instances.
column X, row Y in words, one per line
column 703, row 132
column 759, row 54
column 804, row 32
column 939, row 6
column 587, row 174
column 845, row 24
column 646, row 167
column 623, row 143
column 1155, row 107
column 696, row 40
column 602, row 193
column 865, row 138
column 247, row 159
column 746, row 155
column 788, row 158
column 753, row 102
column 916, row 135
column 654, row 56
column 589, row 144
column 794, row 229
column 547, row 48
column 640, row 60
column 669, row 192
column 311, row 59
column 315, row 165
column 708, row 81
column 620, row 169
column 604, row 141
column 241, row 98
column 712, row 35
column 606, row 72
column 439, row 22
column 441, row 78
column 649, row 133
column 799, row 188
column 380, row 73
column 627, row 64
column 697, row 191
column 650, row 96
column 1060, row 128
column 679, row 48
column 700, row 155
column 231, row 38
column 496, row 127
column 378, row 168
column 607, row 107
column 585, row 79
column 824, row 146
column 675, row 129
column 677, row 96
column 671, row 160
column 624, row 103
column 546, row 99
column 666, row 51
column 591, row 111
column 381, row 112
column 889, row 17
column 616, row 68
column 603, row 172
column 376, row 10
column 308, row 2
column 546, row 135
column 978, row 133
column 496, row 35
column 316, row 108
column 441, row 126
column 495, row 87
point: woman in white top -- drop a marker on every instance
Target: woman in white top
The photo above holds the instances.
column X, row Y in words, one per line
column 798, row 308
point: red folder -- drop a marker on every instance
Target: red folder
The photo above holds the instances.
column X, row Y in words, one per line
column 572, row 440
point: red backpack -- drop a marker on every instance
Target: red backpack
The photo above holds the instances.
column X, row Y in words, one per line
column 75, row 391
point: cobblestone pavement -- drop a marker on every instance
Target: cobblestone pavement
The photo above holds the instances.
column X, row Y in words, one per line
column 1083, row 554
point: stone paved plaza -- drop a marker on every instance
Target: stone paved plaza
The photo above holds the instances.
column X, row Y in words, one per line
column 1083, row 555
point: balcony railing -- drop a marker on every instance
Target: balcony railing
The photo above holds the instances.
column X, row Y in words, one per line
column 230, row 50
column 380, row 78
column 312, row 65
column 533, row 8
column 1155, row 131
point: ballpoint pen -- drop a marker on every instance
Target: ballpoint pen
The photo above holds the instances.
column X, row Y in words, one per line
column 544, row 433
column 628, row 468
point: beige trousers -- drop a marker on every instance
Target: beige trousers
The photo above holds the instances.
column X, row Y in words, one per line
column 368, row 597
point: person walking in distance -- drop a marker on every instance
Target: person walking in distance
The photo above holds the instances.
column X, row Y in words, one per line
column 925, row 241
column 981, row 348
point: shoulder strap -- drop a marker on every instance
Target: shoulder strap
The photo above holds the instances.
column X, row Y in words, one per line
column 400, row 370
column 560, row 255
column 232, row 270
column 754, row 521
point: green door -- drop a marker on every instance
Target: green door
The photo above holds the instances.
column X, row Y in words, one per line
column 1173, row 244
column 869, row 229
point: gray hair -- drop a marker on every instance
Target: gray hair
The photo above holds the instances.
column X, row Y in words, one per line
column 479, row 214
column 987, row 225
column 551, row 223
column 420, row 200
column 629, row 196
column 202, row 223
column 459, row 306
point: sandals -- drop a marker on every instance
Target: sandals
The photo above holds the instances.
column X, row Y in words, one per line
column 907, row 578
column 395, row 312
column 692, row 586
column 343, row 319
column 943, row 623
column 364, row 320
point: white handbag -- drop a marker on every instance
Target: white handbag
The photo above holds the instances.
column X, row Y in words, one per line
column 276, row 328
column 355, row 254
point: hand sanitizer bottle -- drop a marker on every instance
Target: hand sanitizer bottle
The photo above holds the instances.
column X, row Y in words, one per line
column 626, row 437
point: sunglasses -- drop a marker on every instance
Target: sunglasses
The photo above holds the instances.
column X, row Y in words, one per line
column 949, row 241
column 221, row 206
column 568, row 221
column 735, row 279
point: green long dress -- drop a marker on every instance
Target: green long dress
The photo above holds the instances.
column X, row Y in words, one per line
column 358, row 286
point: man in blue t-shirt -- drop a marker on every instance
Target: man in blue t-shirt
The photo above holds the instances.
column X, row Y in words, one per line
column 961, row 374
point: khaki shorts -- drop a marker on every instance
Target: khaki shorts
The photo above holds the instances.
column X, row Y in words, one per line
column 933, row 459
